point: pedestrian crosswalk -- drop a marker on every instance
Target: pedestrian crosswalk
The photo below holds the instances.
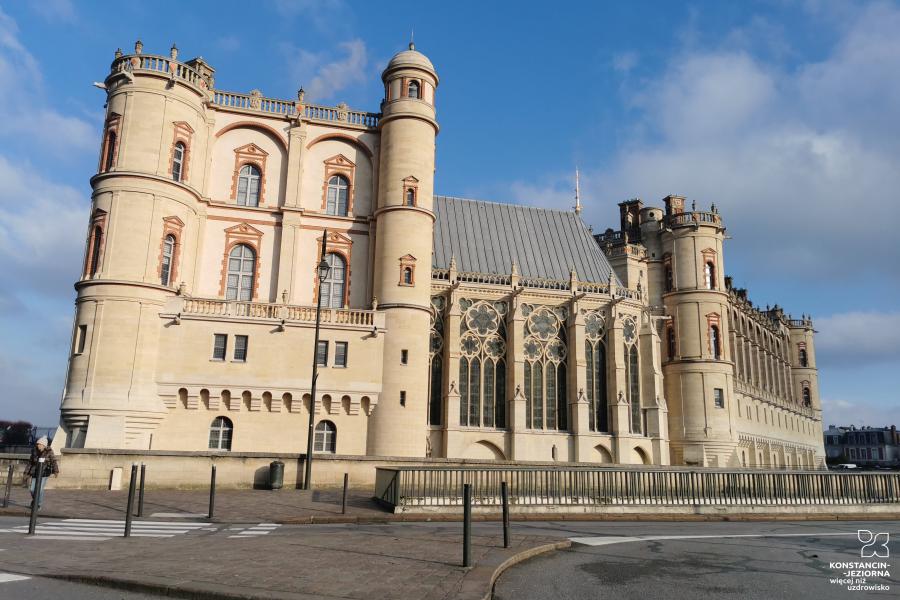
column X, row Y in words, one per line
column 256, row 530
column 103, row 529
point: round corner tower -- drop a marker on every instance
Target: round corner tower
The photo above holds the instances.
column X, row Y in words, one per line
column 145, row 215
column 698, row 371
column 404, row 223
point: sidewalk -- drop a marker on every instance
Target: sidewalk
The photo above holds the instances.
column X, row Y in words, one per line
column 232, row 506
column 318, row 562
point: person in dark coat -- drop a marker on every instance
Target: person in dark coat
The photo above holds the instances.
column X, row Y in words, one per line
column 41, row 450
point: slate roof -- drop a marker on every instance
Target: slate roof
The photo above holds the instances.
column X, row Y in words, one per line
column 486, row 237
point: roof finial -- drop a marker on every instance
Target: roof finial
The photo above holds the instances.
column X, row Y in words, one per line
column 577, row 194
column 412, row 35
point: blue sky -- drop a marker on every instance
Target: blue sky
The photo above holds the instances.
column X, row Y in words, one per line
column 785, row 114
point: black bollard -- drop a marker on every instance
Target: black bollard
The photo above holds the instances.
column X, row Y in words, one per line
column 128, row 511
column 212, row 492
column 140, row 511
column 467, row 525
column 344, row 497
column 504, row 497
column 38, row 484
column 9, row 476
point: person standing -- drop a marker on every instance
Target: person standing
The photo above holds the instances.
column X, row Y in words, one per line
column 41, row 450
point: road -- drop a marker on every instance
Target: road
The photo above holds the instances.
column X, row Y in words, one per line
column 761, row 561
column 621, row 560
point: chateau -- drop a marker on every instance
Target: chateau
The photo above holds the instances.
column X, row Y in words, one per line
column 451, row 328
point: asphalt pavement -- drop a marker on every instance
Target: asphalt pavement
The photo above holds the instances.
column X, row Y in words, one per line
column 43, row 588
column 674, row 561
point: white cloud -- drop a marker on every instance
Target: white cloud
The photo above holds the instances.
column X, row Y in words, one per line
column 55, row 10
column 857, row 338
column 25, row 114
column 625, row 61
column 323, row 75
column 840, row 411
column 801, row 161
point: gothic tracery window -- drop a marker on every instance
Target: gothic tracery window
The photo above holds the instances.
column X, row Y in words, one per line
column 632, row 374
column 482, row 364
column 546, row 405
column 436, row 361
column 595, row 355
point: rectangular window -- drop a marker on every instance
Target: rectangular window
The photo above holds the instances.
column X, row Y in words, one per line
column 340, row 354
column 220, row 344
column 322, row 354
column 240, row 348
column 402, row 398
column 719, row 397
column 404, row 357
column 80, row 338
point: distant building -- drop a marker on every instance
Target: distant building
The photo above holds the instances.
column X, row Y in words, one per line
column 867, row 446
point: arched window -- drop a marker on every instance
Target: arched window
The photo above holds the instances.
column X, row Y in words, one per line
column 326, row 437
column 241, row 273
column 110, row 150
column 96, row 241
column 709, row 273
column 807, row 397
column 407, row 276
column 633, row 379
column 715, row 342
column 482, row 364
column 670, row 342
column 546, row 405
column 410, row 197
column 178, row 161
column 338, row 193
column 220, row 433
column 436, row 356
column 248, row 186
column 804, row 361
column 334, row 285
column 168, row 254
column 595, row 355
column 413, row 89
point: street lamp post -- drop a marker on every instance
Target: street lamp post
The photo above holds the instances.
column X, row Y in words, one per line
column 322, row 273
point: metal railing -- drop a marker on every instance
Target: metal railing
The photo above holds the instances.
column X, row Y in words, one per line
column 412, row 487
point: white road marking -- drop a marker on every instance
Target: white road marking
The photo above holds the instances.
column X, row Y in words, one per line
column 608, row 540
column 179, row 515
column 256, row 530
column 7, row 577
column 100, row 529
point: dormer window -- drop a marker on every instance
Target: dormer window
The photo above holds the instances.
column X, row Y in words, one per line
column 413, row 89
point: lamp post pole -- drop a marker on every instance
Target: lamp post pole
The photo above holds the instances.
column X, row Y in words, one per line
column 321, row 272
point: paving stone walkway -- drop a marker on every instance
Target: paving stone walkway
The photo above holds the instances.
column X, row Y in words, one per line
column 232, row 506
column 311, row 562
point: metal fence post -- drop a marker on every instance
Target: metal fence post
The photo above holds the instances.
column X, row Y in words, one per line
column 212, row 491
column 140, row 511
column 9, row 478
column 504, row 497
column 344, row 497
column 128, row 511
column 467, row 525
column 38, row 487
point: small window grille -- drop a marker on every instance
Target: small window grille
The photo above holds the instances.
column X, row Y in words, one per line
column 340, row 354
column 240, row 348
column 322, row 354
column 220, row 344
column 719, row 397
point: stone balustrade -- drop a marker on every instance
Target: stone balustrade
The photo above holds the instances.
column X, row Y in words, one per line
column 695, row 217
column 536, row 283
column 159, row 64
column 230, row 309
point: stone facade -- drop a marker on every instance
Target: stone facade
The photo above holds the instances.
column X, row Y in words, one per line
column 196, row 308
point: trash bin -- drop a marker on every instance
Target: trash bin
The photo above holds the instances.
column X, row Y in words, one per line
column 276, row 475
